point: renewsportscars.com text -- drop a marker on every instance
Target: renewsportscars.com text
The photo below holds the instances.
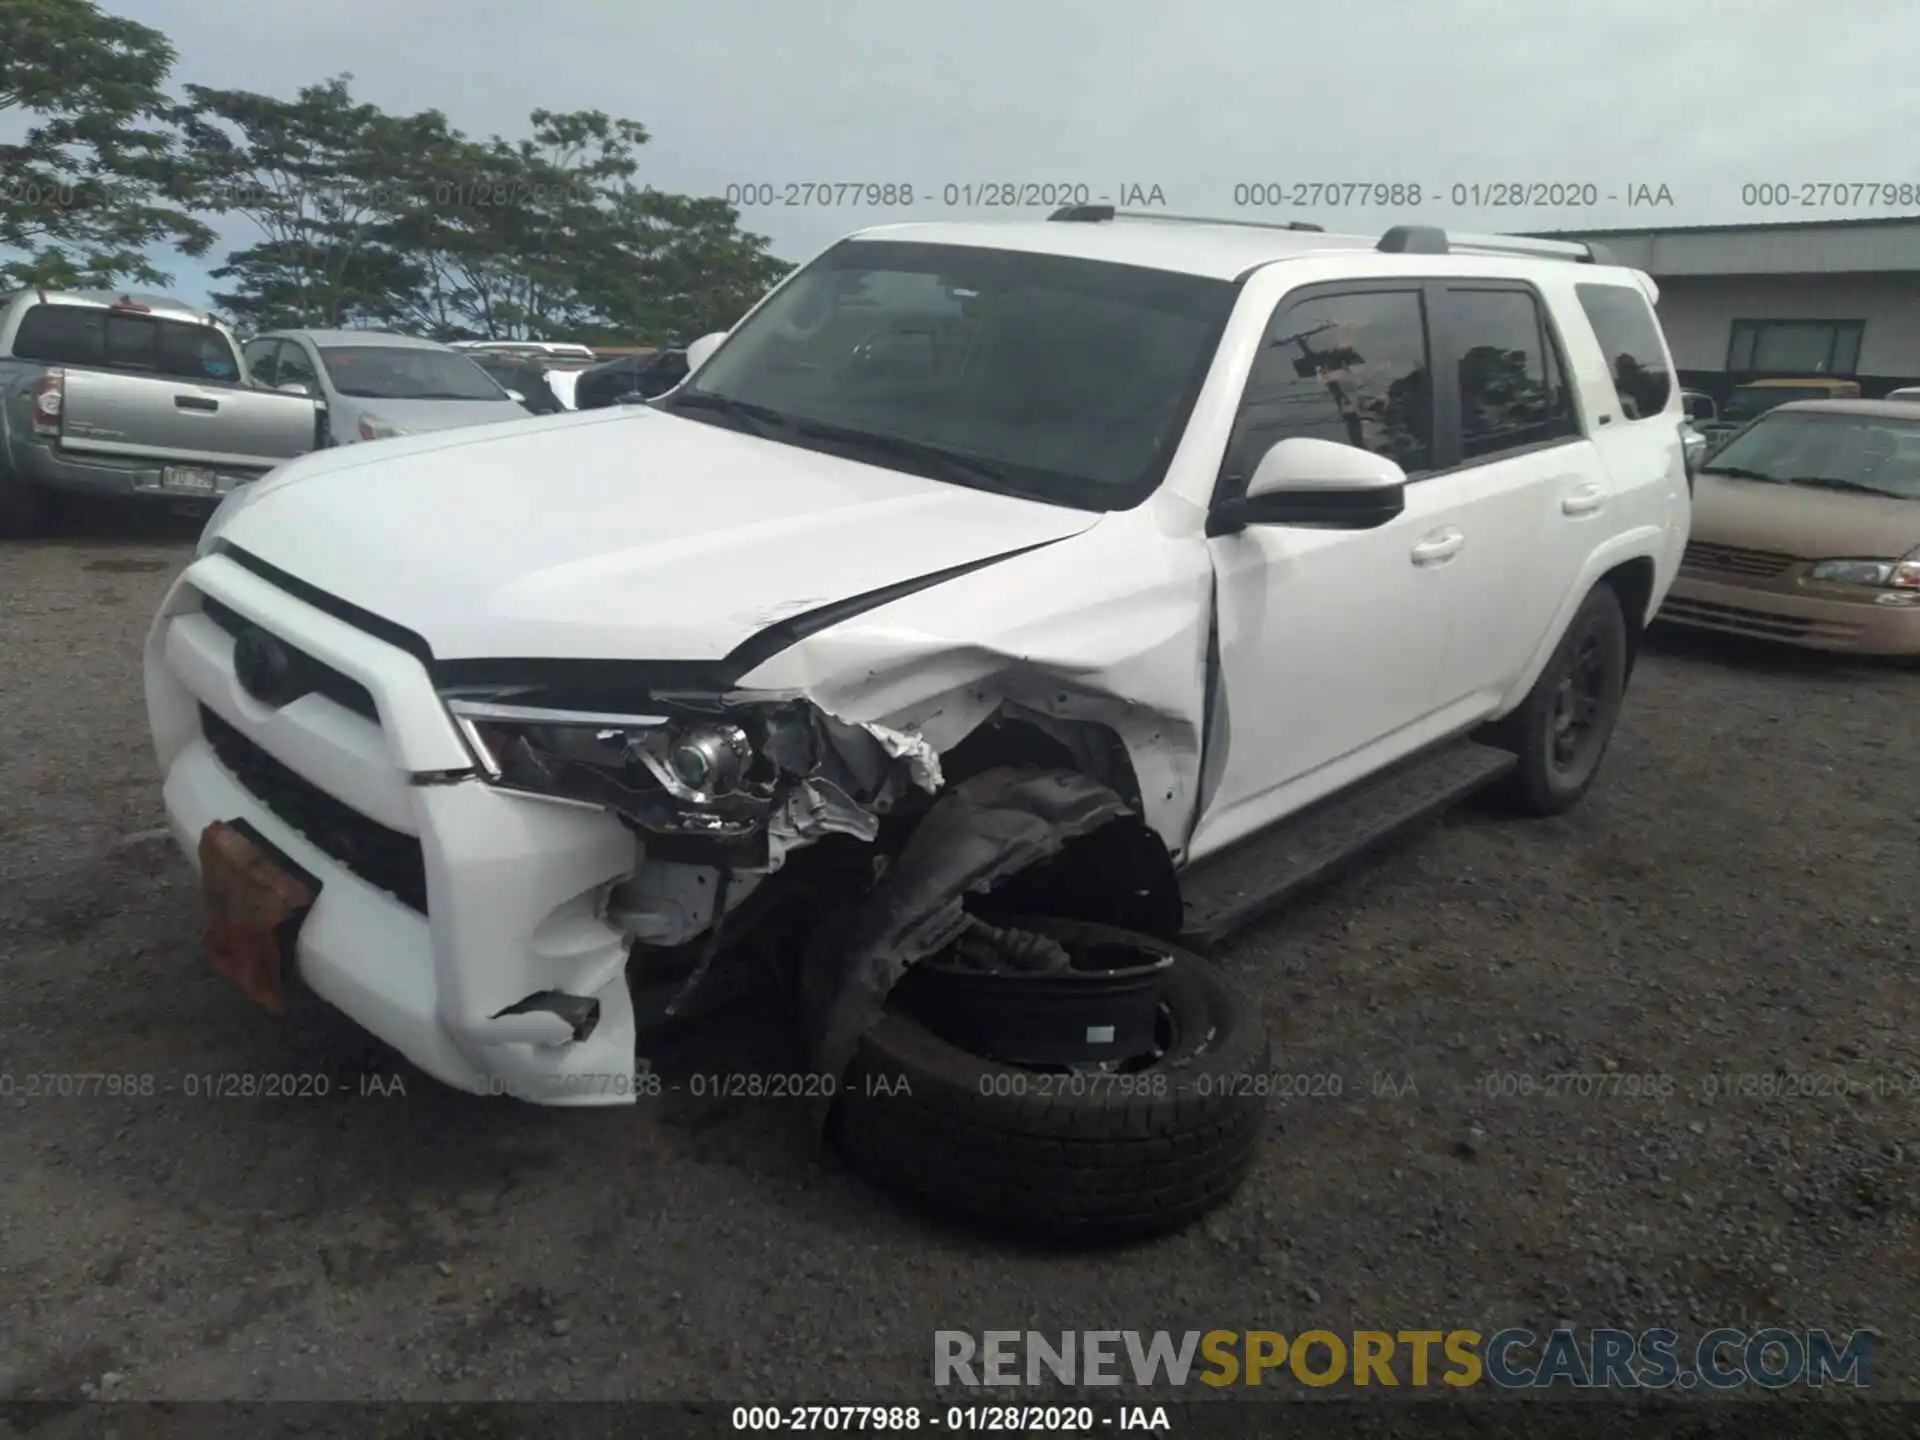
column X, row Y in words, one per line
column 1511, row 1359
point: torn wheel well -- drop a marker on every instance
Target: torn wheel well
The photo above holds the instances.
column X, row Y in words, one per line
column 1005, row 739
column 982, row 834
column 1121, row 874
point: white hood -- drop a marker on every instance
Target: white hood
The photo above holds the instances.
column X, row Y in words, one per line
column 623, row 534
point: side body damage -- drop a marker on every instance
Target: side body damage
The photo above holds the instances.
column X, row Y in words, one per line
column 917, row 765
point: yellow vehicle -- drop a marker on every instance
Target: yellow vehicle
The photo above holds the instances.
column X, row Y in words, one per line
column 1759, row 396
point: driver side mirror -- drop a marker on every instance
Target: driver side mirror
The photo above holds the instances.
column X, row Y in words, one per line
column 699, row 351
column 1321, row 483
column 295, row 387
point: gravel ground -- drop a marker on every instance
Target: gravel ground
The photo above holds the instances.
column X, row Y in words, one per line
column 1736, row 897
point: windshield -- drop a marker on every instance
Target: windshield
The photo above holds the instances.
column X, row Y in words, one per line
column 397, row 372
column 1745, row 404
column 1848, row 452
column 88, row 336
column 1063, row 379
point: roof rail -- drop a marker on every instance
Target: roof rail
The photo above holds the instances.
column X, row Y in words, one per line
column 1432, row 240
column 1094, row 214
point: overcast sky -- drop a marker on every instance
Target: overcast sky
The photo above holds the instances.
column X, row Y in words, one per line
column 1192, row 96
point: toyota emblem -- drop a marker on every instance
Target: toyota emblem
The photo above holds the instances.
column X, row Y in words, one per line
column 266, row 669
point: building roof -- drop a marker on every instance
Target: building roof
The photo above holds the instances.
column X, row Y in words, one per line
column 1745, row 227
column 1880, row 244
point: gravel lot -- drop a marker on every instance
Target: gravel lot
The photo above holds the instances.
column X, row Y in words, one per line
column 1736, row 897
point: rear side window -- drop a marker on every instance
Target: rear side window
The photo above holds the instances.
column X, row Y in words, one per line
column 1513, row 393
column 1630, row 339
column 115, row 340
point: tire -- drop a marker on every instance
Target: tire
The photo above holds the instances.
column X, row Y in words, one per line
column 1553, row 775
column 1099, row 1164
column 22, row 507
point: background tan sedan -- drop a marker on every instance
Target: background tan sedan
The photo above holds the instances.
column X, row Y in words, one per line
column 1806, row 529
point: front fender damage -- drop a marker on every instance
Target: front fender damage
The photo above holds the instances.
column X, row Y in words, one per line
column 979, row 833
column 850, row 799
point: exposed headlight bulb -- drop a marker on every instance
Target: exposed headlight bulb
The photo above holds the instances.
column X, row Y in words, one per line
column 711, row 759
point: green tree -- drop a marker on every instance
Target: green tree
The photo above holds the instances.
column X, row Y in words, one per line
column 88, row 190
column 506, row 229
column 676, row 267
column 548, row 237
column 375, row 219
column 322, row 177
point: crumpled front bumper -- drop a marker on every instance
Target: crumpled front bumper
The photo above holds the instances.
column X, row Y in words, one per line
column 511, row 888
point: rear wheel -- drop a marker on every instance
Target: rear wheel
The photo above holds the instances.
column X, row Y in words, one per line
column 1070, row 1152
column 1561, row 731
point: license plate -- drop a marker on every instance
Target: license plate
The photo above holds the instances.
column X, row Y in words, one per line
column 185, row 480
column 251, row 907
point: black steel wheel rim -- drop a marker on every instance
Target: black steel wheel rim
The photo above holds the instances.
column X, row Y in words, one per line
column 1579, row 703
column 943, row 997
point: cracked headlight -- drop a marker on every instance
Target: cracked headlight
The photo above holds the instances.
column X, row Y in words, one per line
column 1901, row 574
column 676, row 775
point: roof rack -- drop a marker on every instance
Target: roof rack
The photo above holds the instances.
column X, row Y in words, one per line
column 1095, row 214
column 1432, row 240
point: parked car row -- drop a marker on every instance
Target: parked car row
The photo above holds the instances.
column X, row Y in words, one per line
column 133, row 397
column 375, row 386
column 143, row 398
column 1806, row 529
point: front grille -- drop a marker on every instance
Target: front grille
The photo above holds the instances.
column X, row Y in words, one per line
column 316, row 676
column 1704, row 559
column 383, row 858
column 1754, row 622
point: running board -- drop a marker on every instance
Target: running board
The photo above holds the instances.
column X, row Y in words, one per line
column 1256, row 876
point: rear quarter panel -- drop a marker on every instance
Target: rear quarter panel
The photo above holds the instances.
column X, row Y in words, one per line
column 1648, row 500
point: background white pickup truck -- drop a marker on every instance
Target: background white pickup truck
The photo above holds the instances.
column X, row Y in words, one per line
column 130, row 396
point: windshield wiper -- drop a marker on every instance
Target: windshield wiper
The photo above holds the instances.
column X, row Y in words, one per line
column 769, row 423
column 1834, row 482
column 977, row 473
column 760, row 420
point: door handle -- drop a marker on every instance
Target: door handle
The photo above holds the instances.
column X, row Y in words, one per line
column 1587, row 500
column 1439, row 547
column 195, row 402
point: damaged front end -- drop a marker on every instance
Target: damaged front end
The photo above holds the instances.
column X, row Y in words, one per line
column 729, row 779
column 720, row 789
column 723, row 790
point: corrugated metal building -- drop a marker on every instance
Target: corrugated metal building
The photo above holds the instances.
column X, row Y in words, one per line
column 1753, row 302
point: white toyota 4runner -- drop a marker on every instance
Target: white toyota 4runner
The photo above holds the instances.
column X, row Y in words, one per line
column 995, row 616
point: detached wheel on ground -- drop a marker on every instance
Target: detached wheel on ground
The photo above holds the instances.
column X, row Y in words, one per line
column 1053, row 1147
column 1560, row 732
